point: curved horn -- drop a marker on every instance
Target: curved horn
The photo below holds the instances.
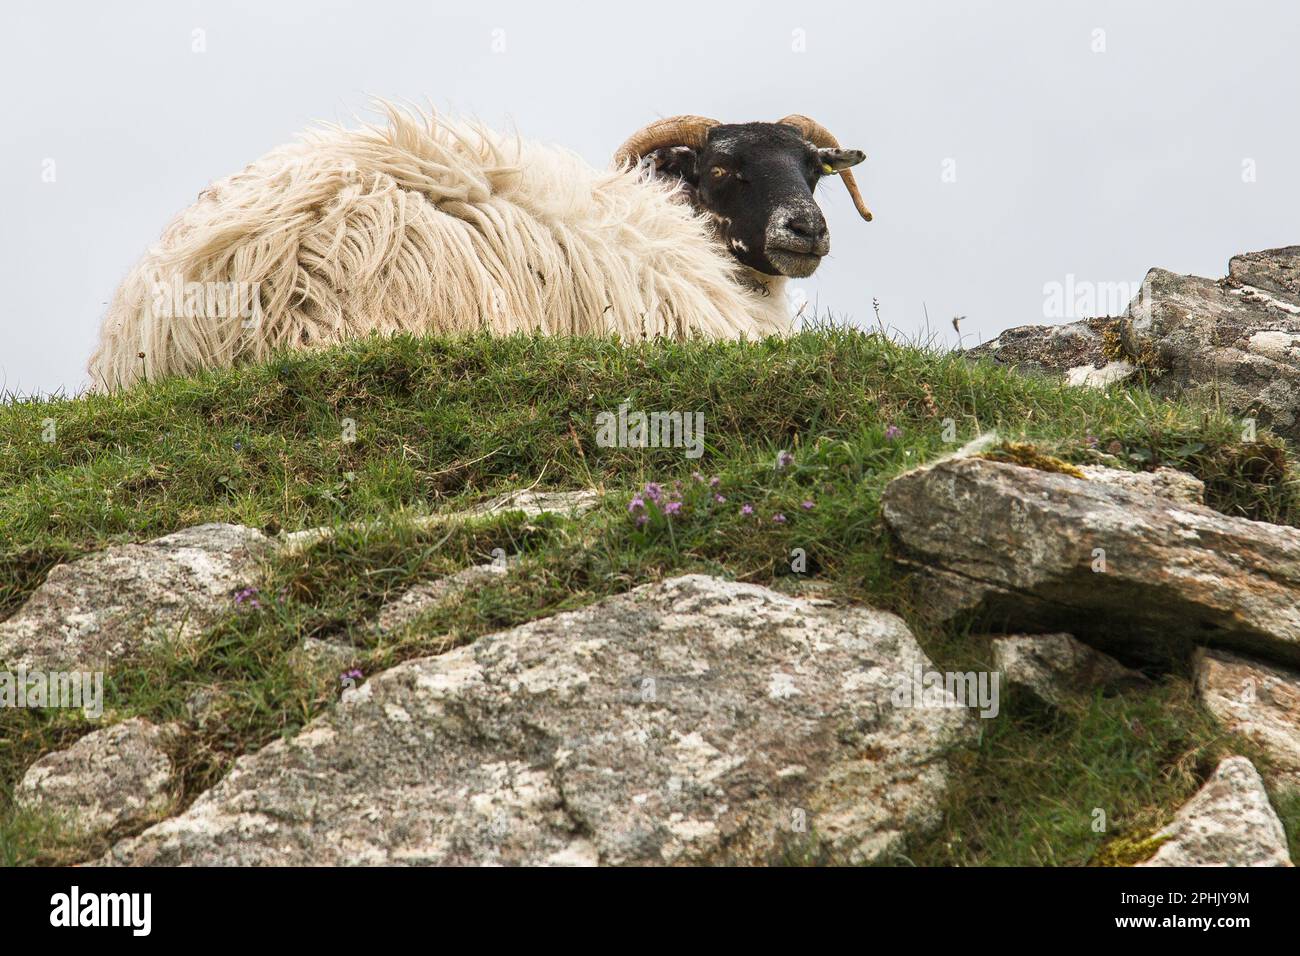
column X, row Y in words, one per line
column 819, row 135
column 675, row 131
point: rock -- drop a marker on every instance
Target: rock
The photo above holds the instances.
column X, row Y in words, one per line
column 1058, row 669
column 1228, row 823
column 422, row 598
column 569, row 504
column 99, row 609
column 317, row 656
column 689, row 721
column 1022, row 550
column 1229, row 341
column 1080, row 352
column 1258, row 702
column 120, row 776
column 1274, row 272
column 1163, row 482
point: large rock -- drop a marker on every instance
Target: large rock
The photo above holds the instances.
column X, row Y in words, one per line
column 1258, row 702
column 101, row 608
column 1236, row 341
column 119, row 776
column 1022, row 550
column 690, row 721
column 1162, row 482
column 1228, row 823
column 1082, row 353
column 1060, row 670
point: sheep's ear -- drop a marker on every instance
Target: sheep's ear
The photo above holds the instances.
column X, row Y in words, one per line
column 680, row 162
column 834, row 160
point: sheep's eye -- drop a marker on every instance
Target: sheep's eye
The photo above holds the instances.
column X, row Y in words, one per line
column 718, row 172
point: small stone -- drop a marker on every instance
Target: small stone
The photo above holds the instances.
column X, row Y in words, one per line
column 1058, row 669
column 120, row 776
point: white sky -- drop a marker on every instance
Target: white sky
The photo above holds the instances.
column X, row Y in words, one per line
column 1067, row 161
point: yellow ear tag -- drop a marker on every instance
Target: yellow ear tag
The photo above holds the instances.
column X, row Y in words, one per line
column 826, row 168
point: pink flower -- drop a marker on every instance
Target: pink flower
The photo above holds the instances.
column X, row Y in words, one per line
column 672, row 507
column 778, row 518
column 635, row 505
column 720, row 499
column 892, row 432
column 807, row 506
column 746, row 509
column 654, row 491
column 715, row 481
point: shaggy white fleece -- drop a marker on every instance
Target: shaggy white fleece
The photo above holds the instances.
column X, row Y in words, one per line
column 423, row 225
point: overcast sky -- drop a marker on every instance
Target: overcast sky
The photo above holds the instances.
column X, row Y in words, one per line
column 1010, row 144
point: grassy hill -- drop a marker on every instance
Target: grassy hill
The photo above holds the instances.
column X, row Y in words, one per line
column 388, row 429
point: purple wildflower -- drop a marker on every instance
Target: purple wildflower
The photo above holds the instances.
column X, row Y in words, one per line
column 892, row 432
column 784, row 460
column 746, row 509
column 654, row 491
column 641, row 520
column 672, row 508
column 715, row 481
column 720, row 499
column 248, row 596
column 778, row 518
column 637, row 503
column 808, row 505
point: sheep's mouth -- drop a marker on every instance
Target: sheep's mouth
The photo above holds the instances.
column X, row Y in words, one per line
column 795, row 263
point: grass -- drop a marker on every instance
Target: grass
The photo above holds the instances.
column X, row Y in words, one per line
column 383, row 429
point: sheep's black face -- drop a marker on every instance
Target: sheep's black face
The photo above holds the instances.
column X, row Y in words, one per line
column 756, row 181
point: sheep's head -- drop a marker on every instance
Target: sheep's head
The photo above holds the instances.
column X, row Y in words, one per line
column 755, row 180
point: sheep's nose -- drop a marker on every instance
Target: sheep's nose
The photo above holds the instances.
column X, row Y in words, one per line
column 810, row 228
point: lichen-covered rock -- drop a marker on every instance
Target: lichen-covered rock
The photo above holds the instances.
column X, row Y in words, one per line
column 1162, row 482
column 570, row 504
column 533, row 504
column 1229, row 822
column 689, row 721
column 421, row 598
column 1236, row 340
column 1058, row 669
column 101, row 608
column 1079, row 352
column 1023, row 550
column 1258, row 702
column 119, row 776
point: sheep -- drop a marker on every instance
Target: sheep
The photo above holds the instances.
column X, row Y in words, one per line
column 432, row 225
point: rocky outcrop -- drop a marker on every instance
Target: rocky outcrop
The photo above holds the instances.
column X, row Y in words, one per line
column 1059, row 670
column 1258, row 702
column 690, row 721
column 1023, row 550
column 120, row 776
column 1235, row 340
column 1229, row 339
column 1228, row 823
column 101, row 608
column 1082, row 353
